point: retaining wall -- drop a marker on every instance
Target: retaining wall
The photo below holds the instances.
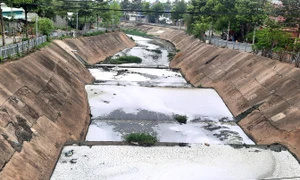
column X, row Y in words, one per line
column 264, row 94
column 43, row 104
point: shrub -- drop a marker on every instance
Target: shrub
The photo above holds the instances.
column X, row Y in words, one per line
column 25, row 39
column 171, row 56
column 45, row 26
column 180, row 118
column 125, row 59
column 42, row 45
column 93, row 34
column 142, row 139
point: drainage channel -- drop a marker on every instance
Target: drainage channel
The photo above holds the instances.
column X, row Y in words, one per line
column 132, row 98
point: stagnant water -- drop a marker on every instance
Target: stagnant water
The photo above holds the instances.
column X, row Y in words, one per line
column 125, row 100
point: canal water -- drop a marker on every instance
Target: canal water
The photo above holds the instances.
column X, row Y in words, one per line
column 140, row 98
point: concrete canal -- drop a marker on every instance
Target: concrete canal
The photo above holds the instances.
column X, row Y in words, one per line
column 146, row 99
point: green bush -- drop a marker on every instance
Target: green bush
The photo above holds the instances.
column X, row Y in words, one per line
column 93, row 34
column 125, row 59
column 45, row 26
column 142, row 139
column 43, row 45
column 171, row 56
column 180, row 118
column 25, row 39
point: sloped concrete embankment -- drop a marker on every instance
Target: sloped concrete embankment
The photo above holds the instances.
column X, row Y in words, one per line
column 97, row 48
column 43, row 104
column 263, row 93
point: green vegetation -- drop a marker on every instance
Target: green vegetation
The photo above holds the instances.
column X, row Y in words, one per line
column 64, row 37
column 199, row 86
column 177, row 50
column 25, row 39
column 45, row 26
column 180, row 118
column 171, row 56
column 142, row 139
column 68, row 28
column 136, row 32
column 125, row 59
column 43, row 45
column 93, row 34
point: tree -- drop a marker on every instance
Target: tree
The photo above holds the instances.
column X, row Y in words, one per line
column 271, row 39
column 27, row 5
column 168, row 8
column 157, row 8
column 115, row 15
column 136, row 5
column 178, row 8
column 290, row 9
column 125, row 4
column 45, row 26
column 240, row 16
column 146, row 7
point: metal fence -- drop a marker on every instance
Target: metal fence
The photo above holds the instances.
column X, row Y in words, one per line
column 21, row 47
column 232, row 45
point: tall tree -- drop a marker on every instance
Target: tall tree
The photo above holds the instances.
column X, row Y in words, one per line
column 290, row 10
column 115, row 15
column 157, row 9
column 178, row 8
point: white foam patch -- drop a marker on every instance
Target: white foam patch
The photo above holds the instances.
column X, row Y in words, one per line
column 195, row 162
column 130, row 76
column 194, row 103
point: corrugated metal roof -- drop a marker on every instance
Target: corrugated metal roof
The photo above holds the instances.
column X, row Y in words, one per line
column 9, row 9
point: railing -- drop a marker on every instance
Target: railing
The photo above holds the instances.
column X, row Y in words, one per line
column 21, row 47
column 232, row 45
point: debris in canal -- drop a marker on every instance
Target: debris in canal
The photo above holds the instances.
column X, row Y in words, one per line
column 180, row 118
column 125, row 59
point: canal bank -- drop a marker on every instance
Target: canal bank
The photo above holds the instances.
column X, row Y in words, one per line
column 43, row 103
column 124, row 100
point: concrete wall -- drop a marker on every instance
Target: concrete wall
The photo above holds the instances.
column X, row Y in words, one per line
column 97, row 48
column 43, row 104
column 263, row 92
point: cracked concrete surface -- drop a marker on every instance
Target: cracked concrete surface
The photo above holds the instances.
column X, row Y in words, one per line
column 43, row 104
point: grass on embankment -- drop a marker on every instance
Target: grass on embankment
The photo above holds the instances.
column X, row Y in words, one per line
column 125, row 59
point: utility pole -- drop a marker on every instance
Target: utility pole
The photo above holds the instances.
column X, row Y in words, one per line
column 228, row 30
column 77, row 21
column 254, row 31
column 36, row 26
column 2, row 26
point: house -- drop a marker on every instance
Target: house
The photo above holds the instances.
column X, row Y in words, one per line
column 10, row 12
